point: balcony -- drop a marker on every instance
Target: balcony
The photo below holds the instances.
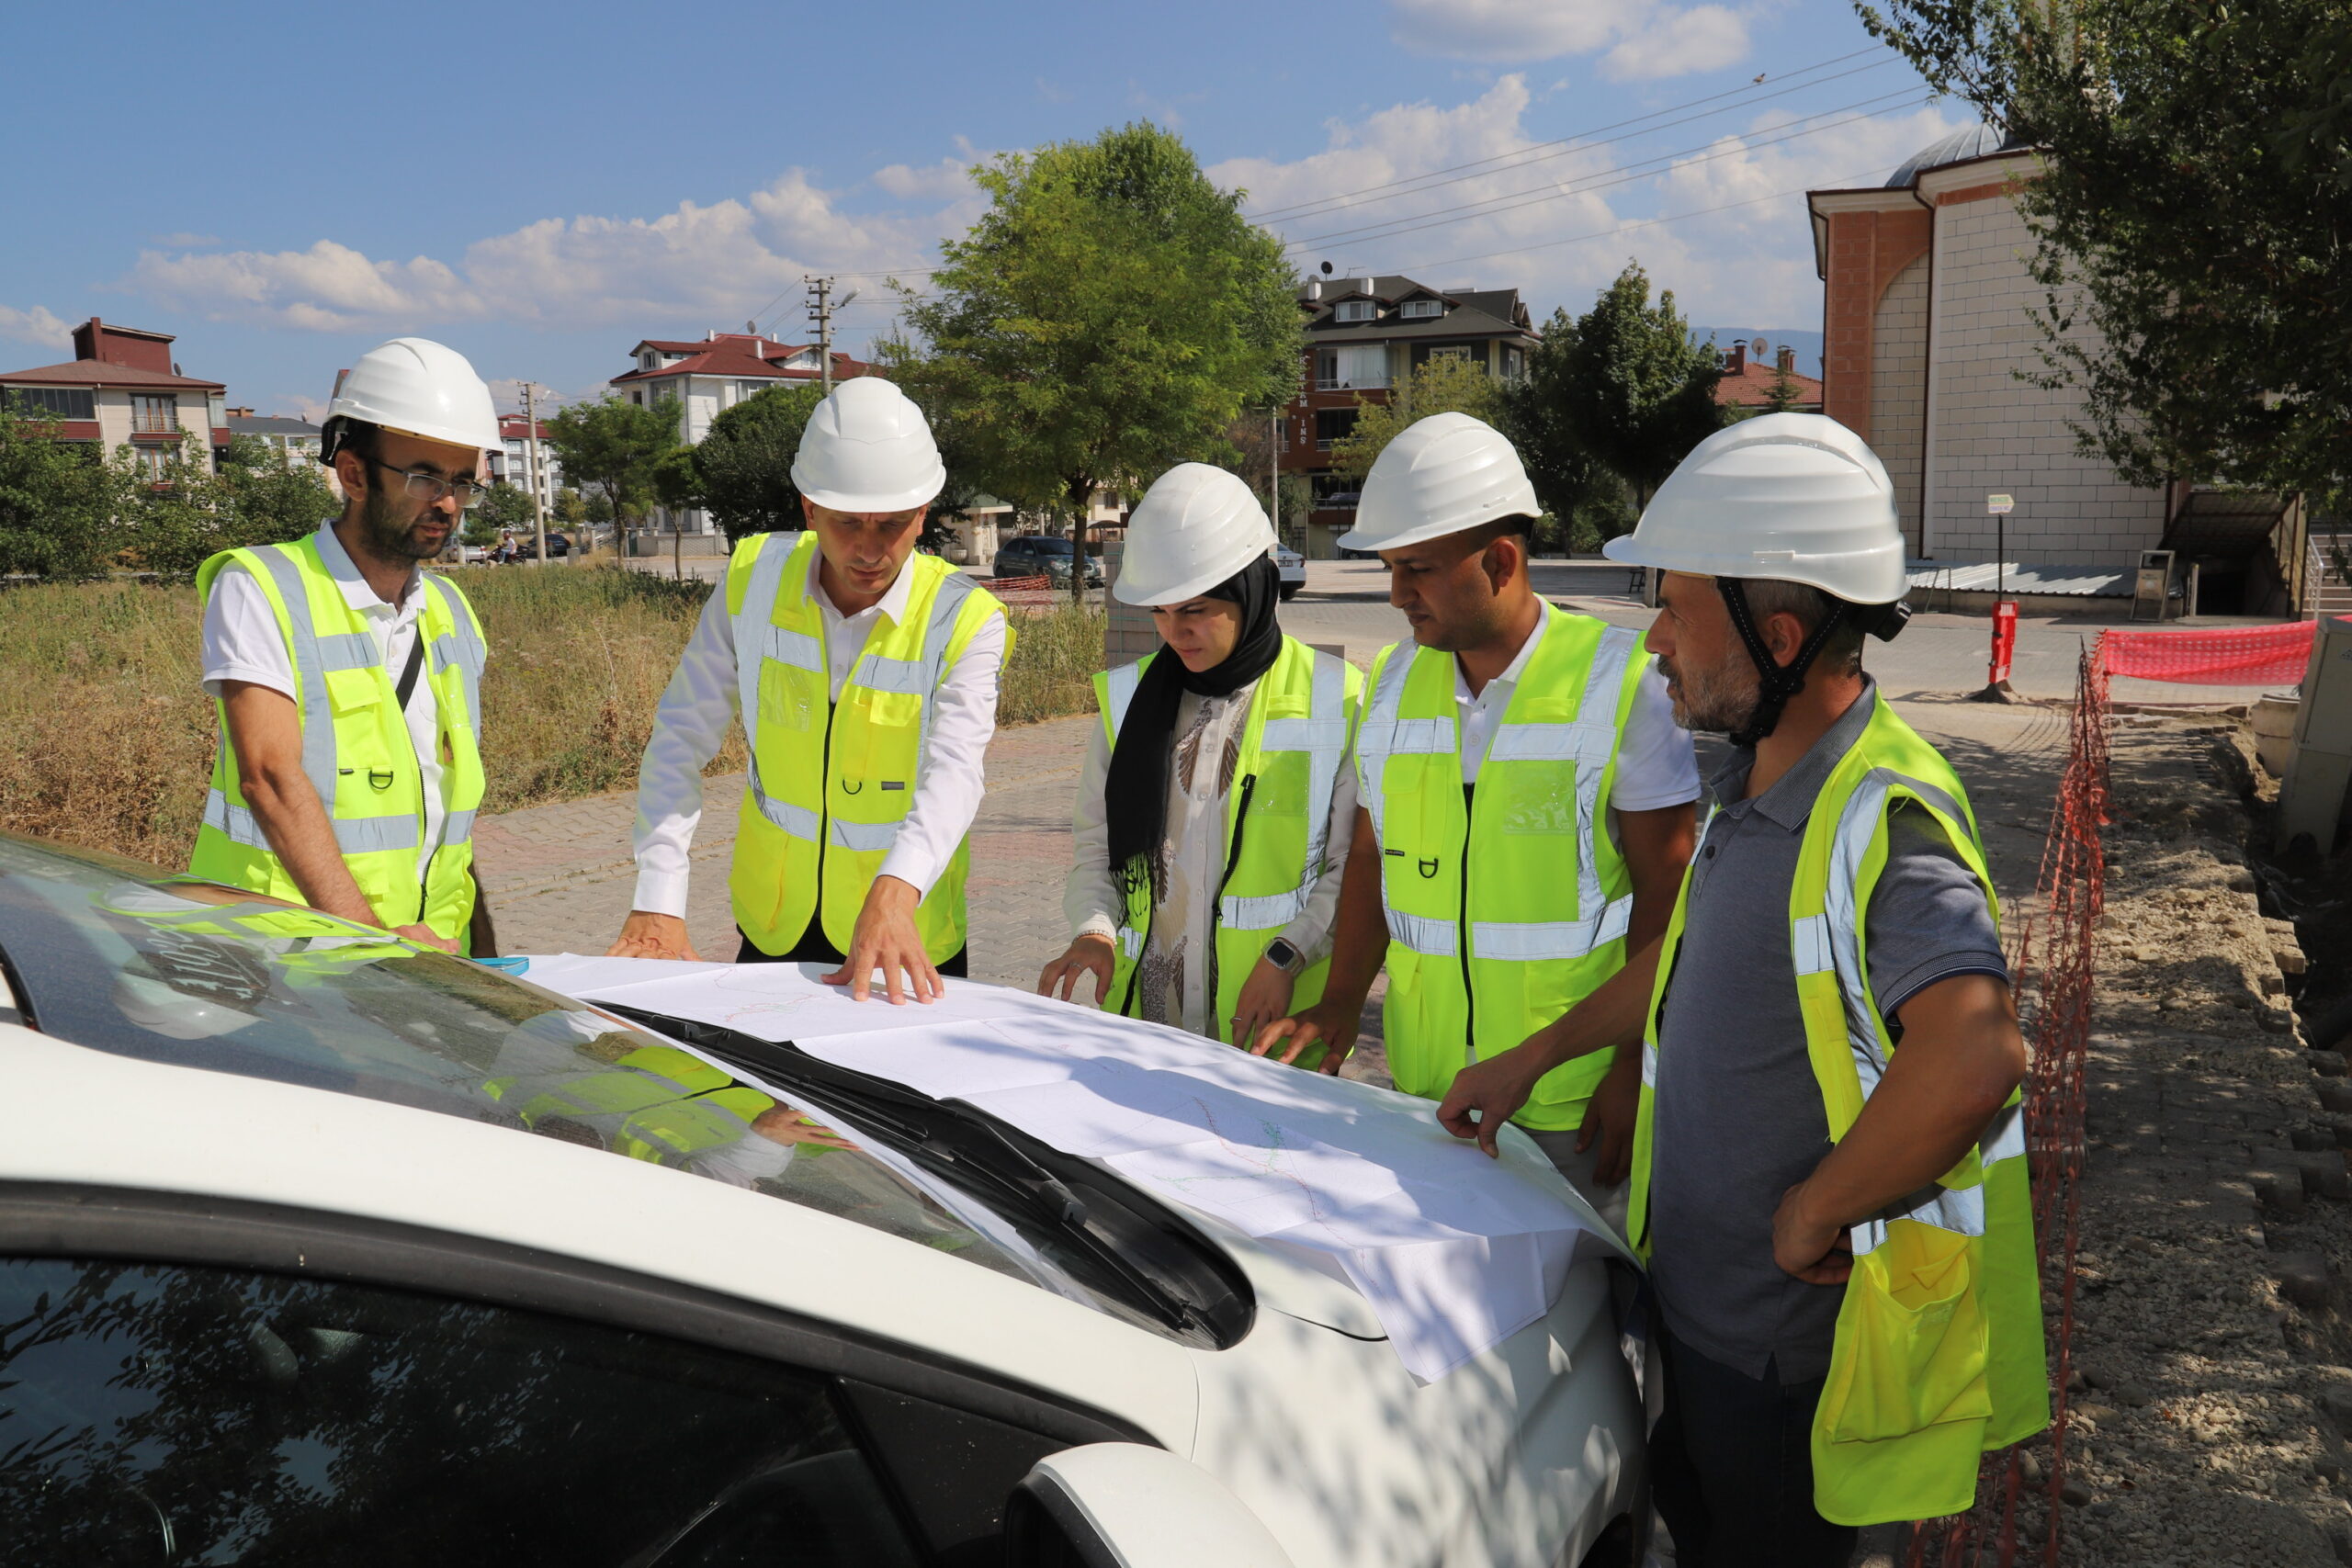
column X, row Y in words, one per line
column 155, row 421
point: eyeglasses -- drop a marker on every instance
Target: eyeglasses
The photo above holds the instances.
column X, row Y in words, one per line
column 430, row 487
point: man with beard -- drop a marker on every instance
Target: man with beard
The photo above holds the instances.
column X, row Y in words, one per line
column 1829, row 1182
column 1526, row 806
column 349, row 683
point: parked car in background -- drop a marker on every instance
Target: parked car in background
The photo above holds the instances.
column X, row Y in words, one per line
column 317, row 1246
column 1038, row 555
column 1292, row 568
column 558, row 547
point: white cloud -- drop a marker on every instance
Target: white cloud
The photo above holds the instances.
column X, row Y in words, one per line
column 1752, row 262
column 713, row 265
column 943, row 181
column 1643, row 38
column 38, row 325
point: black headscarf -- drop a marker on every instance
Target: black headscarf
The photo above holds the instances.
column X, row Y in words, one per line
column 1135, row 791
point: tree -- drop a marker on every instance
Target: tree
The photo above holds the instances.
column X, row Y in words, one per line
column 1446, row 383
column 742, row 470
column 612, row 447
column 503, row 508
column 1111, row 314
column 2189, row 212
column 1620, row 393
column 1783, row 396
column 58, row 513
column 569, row 508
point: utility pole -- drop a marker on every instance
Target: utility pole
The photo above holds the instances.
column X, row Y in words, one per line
column 531, row 459
column 821, row 312
column 1274, row 472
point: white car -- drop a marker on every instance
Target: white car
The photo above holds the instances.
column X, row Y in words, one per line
column 315, row 1246
column 1293, row 567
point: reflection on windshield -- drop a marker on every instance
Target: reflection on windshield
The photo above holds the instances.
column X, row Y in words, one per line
column 201, row 977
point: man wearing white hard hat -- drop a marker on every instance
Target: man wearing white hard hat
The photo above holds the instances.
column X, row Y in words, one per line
column 1829, row 1181
column 1526, row 801
column 865, row 675
column 1215, row 807
column 348, row 682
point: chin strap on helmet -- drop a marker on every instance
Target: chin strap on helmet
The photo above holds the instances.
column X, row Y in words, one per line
column 1776, row 683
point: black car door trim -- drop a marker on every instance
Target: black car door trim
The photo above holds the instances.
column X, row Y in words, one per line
column 59, row 1220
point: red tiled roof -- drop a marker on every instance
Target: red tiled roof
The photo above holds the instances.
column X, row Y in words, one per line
column 97, row 373
column 1751, row 385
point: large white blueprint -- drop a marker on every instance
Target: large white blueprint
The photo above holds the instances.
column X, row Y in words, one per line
column 1455, row 1252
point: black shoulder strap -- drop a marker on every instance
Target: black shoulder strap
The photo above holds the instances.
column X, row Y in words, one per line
column 407, row 682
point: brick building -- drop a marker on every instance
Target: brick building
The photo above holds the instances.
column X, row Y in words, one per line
column 1364, row 337
column 123, row 388
column 1927, row 328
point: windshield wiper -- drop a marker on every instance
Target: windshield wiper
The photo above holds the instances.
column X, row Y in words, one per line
column 959, row 1144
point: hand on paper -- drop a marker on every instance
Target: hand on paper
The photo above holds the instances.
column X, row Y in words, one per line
column 1806, row 1246
column 1286, row 1038
column 1487, row 1094
column 1265, row 996
column 886, row 939
column 648, row 935
column 1610, row 1118
column 1089, row 955
column 782, row 1125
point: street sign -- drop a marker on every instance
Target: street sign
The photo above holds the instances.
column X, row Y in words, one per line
column 1999, row 505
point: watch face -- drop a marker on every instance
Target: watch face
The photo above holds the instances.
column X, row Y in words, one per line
column 1281, row 954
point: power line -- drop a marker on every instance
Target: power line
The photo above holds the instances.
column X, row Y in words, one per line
column 1390, row 229
column 1562, row 146
column 1641, row 223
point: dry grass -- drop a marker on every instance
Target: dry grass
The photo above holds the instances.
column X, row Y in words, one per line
column 106, row 736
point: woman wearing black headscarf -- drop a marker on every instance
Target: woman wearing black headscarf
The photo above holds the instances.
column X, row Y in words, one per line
column 1217, row 802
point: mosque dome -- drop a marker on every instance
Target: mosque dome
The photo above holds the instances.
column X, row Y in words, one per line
column 1971, row 142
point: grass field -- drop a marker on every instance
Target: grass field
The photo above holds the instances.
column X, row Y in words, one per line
column 106, row 736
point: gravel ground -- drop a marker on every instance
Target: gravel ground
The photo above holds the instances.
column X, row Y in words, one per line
column 2207, row 1328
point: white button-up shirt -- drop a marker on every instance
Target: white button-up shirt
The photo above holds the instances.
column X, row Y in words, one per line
column 691, row 723
column 241, row 642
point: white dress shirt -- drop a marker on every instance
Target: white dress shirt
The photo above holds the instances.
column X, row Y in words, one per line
column 241, row 642
column 1656, row 764
column 690, row 725
column 1183, row 928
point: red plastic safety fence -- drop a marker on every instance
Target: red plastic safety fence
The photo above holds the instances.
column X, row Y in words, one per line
column 2056, row 972
column 2231, row 655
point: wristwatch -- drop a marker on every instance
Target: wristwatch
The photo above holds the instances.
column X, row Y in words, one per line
column 1285, row 957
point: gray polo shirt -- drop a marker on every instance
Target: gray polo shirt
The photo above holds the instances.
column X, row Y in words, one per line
column 1738, row 1118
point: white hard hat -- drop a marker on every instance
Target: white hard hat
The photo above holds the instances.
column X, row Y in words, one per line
column 1796, row 497
column 1193, row 528
column 419, row 388
column 1444, row 474
column 868, row 448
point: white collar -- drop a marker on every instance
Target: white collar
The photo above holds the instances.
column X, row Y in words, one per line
column 1515, row 669
column 893, row 602
column 340, row 566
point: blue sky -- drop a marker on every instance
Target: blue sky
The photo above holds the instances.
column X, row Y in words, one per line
column 541, row 186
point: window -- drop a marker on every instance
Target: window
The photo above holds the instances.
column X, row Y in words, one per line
column 1355, row 366
column 168, row 1412
column 1421, row 310
column 1336, row 492
column 638, row 398
column 53, row 402
column 649, row 360
column 151, row 463
column 1450, row 350
column 1514, row 364
column 1332, row 425
column 1355, row 310
column 155, row 413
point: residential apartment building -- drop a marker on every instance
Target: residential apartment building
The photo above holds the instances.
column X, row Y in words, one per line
column 1365, row 335
column 511, row 459
column 713, row 375
column 123, row 388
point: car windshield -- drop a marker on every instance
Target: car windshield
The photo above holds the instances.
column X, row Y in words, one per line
column 1049, row 546
column 110, row 954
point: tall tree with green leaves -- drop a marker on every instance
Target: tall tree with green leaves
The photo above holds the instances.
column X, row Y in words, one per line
column 60, row 516
column 1110, row 315
column 612, row 447
column 2190, row 210
column 1620, row 389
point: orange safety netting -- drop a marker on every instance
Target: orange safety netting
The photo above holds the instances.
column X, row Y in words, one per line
column 2055, row 972
column 2232, row 656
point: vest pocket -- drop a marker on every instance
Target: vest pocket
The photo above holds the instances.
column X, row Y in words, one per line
column 1911, row 1350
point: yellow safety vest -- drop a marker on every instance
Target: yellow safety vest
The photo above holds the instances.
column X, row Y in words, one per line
column 1937, row 1357
column 356, row 747
column 1277, row 817
column 829, row 782
column 656, row 1103
column 1506, row 905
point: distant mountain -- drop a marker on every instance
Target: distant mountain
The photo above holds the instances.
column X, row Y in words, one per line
column 1808, row 344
